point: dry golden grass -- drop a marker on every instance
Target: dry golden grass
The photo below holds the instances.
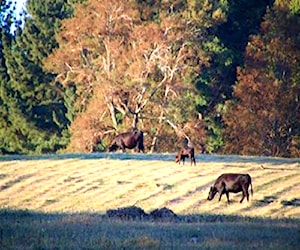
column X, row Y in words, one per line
column 97, row 183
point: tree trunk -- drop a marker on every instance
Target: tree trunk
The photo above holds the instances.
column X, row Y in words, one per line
column 111, row 108
column 155, row 138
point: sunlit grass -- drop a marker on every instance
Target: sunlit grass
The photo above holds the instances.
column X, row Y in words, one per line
column 58, row 202
column 79, row 184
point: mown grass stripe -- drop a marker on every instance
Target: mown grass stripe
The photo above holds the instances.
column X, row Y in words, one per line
column 98, row 184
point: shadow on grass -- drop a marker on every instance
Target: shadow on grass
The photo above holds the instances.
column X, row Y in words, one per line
column 291, row 203
column 24, row 229
column 206, row 158
column 265, row 201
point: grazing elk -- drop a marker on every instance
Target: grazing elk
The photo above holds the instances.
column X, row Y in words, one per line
column 128, row 140
column 186, row 152
column 231, row 183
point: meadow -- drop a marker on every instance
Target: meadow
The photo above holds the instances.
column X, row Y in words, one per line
column 60, row 202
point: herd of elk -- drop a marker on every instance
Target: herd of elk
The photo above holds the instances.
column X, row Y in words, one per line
column 225, row 183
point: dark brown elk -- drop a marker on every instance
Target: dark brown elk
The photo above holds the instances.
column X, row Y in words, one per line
column 231, row 183
column 186, row 152
column 128, row 140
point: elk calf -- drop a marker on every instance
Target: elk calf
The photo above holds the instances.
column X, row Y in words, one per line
column 186, row 152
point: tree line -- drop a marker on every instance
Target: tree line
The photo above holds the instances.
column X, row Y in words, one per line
column 224, row 74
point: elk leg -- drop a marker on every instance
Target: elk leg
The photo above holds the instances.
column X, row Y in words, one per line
column 243, row 196
column 227, row 195
column 247, row 194
column 221, row 195
column 222, row 191
column 122, row 146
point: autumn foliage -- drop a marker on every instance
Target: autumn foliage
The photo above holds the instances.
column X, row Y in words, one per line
column 264, row 117
column 128, row 72
column 79, row 72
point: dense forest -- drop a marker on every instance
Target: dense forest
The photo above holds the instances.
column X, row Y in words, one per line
column 224, row 74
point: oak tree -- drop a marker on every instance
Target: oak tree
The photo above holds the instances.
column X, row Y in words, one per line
column 131, row 70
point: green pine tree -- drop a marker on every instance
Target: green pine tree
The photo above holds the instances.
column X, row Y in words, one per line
column 33, row 113
column 13, row 132
column 225, row 44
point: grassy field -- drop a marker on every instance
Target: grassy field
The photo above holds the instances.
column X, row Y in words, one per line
column 58, row 201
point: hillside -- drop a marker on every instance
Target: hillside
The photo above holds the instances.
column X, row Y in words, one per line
column 97, row 182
